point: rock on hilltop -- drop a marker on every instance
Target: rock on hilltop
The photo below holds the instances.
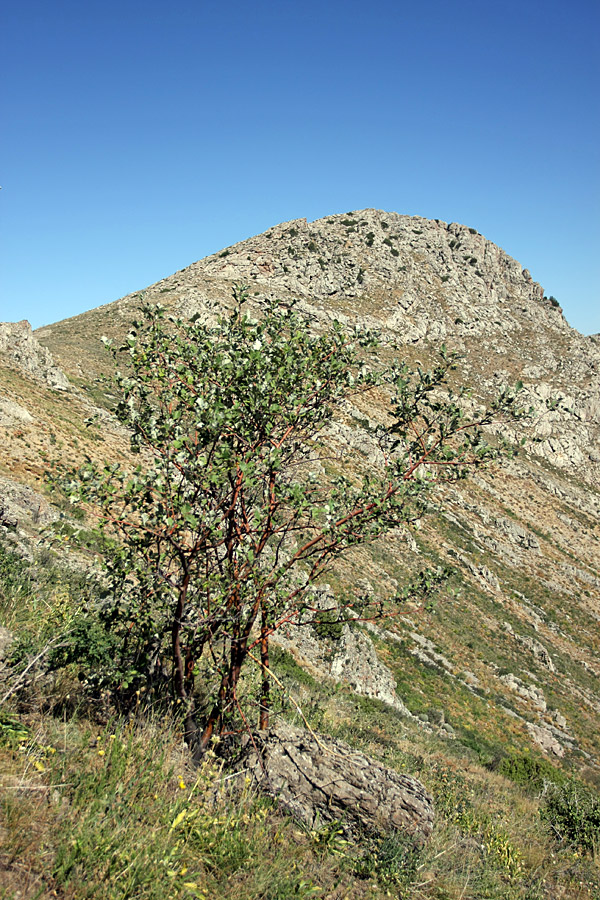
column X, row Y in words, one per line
column 421, row 282
column 19, row 347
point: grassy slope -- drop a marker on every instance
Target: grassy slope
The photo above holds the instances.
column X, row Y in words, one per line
column 115, row 811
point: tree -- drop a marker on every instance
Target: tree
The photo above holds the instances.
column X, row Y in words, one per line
column 229, row 518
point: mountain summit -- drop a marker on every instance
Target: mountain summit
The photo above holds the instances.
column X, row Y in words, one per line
column 421, row 283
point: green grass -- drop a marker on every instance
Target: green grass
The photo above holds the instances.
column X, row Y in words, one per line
column 115, row 811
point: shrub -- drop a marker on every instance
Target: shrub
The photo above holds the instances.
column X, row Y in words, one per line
column 528, row 771
column 572, row 813
column 328, row 624
column 214, row 542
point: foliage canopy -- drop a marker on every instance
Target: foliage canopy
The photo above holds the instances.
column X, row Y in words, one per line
column 237, row 506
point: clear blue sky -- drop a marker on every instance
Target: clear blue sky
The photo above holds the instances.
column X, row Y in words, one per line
column 138, row 136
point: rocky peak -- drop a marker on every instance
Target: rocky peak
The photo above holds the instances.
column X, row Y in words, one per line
column 20, row 348
column 422, row 283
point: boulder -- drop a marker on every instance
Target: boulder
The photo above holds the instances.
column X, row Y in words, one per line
column 319, row 779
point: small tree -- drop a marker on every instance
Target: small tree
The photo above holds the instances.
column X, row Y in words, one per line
column 224, row 525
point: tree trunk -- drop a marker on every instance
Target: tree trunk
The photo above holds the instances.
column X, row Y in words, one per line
column 265, row 695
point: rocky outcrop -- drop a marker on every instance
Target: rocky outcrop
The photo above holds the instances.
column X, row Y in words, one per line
column 534, row 646
column 19, row 501
column 20, row 348
column 319, row 779
column 347, row 656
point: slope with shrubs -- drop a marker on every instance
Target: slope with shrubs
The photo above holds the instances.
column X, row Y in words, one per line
column 500, row 673
column 101, row 807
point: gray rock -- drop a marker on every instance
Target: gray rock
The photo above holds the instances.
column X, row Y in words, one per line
column 350, row 658
column 6, row 639
column 528, row 692
column 544, row 738
column 319, row 779
column 537, row 648
column 20, row 501
column 20, row 348
column 12, row 413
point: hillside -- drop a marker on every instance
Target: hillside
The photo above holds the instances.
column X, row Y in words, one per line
column 505, row 667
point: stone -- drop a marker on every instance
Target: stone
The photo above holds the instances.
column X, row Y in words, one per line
column 546, row 740
column 528, row 692
column 20, row 348
column 19, row 501
column 6, row 639
column 532, row 644
column 319, row 779
column 350, row 658
column 12, row 413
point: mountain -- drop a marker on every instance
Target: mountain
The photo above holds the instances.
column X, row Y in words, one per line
column 509, row 665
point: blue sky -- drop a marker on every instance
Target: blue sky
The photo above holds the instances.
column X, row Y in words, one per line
column 141, row 136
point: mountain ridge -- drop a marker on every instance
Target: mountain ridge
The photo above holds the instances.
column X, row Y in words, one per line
column 423, row 282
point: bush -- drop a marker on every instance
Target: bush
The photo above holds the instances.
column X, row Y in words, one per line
column 218, row 537
column 528, row 771
column 572, row 813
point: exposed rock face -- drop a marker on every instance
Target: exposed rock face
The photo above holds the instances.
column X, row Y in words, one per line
column 350, row 658
column 20, row 501
column 319, row 779
column 544, row 738
column 538, row 649
column 20, row 347
column 422, row 282
column 12, row 413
